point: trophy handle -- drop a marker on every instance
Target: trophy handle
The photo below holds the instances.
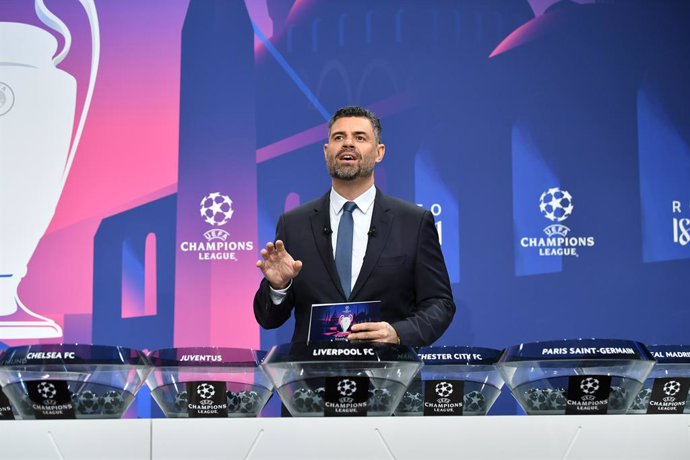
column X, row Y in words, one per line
column 90, row 9
column 52, row 21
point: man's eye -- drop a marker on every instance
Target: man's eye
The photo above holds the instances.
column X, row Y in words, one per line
column 361, row 138
column 337, row 138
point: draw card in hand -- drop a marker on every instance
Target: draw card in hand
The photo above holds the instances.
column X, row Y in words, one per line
column 333, row 321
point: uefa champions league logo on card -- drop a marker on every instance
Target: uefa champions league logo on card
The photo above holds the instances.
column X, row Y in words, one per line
column 347, row 387
column 667, row 396
column 205, row 399
column 443, row 397
column 216, row 210
column 205, row 392
column 340, row 396
column 444, row 390
column 671, row 388
column 589, row 386
column 557, row 205
column 47, row 391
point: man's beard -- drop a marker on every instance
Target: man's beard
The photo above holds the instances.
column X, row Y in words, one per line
column 349, row 172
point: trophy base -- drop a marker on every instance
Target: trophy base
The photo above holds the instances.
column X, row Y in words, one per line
column 22, row 323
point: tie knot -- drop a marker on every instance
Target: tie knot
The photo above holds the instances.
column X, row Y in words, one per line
column 349, row 206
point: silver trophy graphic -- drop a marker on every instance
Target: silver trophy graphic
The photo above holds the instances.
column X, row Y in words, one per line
column 37, row 108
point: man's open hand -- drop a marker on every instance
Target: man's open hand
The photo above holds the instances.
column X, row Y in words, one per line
column 277, row 265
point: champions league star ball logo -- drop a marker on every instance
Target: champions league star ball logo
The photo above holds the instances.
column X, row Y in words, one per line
column 411, row 402
column 205, row 390
column 444, row 389
column 86, row 402
column 379, row 399
column 536, row 399
column 111, row 402
column 672, row 388
column 642, row 399
column 546, row 399
column 249, row 402
column 216, row 209
column 618, row 398
column 474, row 401
column 347, row 387
column 589, row 386
column 233, row 401
column 306, row 400
column 556, row 204
column 46, row 390
column 181, row 400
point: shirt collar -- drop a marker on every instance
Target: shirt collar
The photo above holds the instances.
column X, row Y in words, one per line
column 364, row 202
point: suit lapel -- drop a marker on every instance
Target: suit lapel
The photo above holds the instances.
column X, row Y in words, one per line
column 321, row 229
column 381, row 220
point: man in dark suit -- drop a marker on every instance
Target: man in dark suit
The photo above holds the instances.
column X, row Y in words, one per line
column 357, row 244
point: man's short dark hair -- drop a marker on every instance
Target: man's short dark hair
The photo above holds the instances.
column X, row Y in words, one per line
column 357, row 111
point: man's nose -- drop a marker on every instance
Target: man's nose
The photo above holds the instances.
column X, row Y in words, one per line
column 349, row 141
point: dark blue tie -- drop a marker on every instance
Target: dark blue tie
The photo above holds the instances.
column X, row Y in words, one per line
column 343, row 248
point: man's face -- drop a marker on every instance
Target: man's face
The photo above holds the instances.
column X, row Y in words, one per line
column 352, row 150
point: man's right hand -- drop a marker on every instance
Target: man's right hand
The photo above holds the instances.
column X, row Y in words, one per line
column 277, row 265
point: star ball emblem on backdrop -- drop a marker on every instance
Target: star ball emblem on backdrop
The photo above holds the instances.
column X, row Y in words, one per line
column 216, row 210
column 556, row 205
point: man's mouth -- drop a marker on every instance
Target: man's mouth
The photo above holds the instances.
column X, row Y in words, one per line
column 347, row 156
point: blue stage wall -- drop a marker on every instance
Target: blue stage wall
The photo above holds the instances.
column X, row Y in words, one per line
column 552, row 149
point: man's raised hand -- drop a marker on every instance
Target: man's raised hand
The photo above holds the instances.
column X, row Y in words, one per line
column 277, row 265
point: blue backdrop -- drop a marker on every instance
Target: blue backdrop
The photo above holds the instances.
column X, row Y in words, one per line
column 553, row 151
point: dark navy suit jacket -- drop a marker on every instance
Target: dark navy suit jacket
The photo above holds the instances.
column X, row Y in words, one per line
column 403, row 267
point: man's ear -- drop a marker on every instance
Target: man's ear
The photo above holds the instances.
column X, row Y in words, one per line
column 380, row 152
